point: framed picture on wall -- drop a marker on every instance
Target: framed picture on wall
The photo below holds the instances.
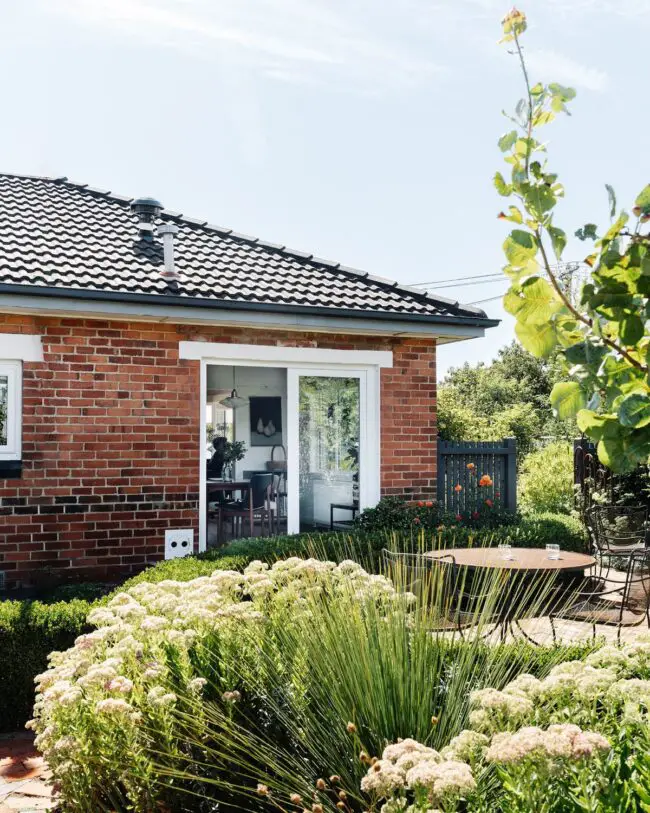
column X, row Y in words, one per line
column 266, row 421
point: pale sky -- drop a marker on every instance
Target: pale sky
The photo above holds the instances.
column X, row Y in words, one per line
column 362, row 131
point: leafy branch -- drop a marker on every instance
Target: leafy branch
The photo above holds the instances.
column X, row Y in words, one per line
column 602, row 336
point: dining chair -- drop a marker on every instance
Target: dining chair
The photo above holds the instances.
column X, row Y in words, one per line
column 257, row 502
column 439, row 581
column 616, row 532
column 624, row 603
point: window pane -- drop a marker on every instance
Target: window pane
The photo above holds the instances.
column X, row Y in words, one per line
column 4, row 400
column 328, row 450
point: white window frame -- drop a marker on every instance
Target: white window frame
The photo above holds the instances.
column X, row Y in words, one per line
column 13, row 371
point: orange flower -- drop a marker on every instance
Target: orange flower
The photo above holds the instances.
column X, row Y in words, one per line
column 485, row 480
column 458, row 488
column 471, row 466
column 429, row 504
column 489, row 503
column 420, row 504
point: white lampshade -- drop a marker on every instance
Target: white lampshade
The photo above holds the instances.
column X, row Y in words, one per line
column 234, row 401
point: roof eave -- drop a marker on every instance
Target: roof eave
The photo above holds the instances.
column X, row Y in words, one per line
column 244, row 305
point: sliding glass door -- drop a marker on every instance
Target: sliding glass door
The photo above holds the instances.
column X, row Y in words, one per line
column 327, row 447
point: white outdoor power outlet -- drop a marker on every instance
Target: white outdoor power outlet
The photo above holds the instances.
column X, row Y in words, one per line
column 179, row 543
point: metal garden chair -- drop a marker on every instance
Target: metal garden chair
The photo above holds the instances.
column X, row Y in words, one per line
column 626, row 604
column 440, row 580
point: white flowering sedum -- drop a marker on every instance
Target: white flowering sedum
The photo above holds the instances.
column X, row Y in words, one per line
column 523, row 730
column 409, row 764
column 612, row 675
column 113, row 686
column 558, row 742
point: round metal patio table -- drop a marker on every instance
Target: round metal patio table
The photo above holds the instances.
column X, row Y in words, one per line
column 524, row 562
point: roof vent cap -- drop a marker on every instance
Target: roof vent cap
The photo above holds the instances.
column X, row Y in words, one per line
column 147, row 210
column 167, row 231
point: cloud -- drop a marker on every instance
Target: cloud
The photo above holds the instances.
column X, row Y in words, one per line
column 556, row 67
column 298, row 41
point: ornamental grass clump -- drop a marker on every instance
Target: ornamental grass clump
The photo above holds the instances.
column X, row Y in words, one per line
column 106, row 706
column 211, row 686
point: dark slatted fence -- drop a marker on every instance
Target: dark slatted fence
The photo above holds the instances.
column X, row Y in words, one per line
column 498, row 459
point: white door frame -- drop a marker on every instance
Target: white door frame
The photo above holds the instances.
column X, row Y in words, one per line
column 317, row 361
column 369, row 452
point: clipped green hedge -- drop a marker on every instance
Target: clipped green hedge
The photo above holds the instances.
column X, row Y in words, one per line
column 535, row 531
column 29, row 631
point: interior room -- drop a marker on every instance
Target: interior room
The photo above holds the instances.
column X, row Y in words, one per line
column 250, row 420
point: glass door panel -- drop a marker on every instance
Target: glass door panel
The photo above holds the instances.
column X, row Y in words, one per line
column 329, row 450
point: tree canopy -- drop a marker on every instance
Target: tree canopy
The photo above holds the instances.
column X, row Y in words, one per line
column 510, row 397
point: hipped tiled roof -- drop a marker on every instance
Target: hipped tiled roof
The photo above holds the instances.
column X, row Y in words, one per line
column 56, row 234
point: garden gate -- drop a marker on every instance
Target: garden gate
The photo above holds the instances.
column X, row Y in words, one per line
column 462, row 463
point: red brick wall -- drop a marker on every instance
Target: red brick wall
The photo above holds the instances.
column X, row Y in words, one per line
column 111, row 441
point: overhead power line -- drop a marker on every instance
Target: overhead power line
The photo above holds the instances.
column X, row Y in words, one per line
column 489, row 299
column 563, row 269
column 500, row 278
column 453, row 279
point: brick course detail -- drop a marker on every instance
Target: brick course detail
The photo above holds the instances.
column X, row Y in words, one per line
column 111, row 442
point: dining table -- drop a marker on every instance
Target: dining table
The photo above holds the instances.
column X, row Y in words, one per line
column 526, row 563
column 221, row 486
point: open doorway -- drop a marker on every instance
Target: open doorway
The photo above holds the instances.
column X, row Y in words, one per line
column 246, row 453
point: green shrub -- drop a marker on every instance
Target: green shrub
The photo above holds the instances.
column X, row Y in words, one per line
column 395, row 513
column 189, row 567
column 29, row 631
column 546, row 480
column 535, row 531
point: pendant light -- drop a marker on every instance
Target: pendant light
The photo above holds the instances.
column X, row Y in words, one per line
column 233, row 401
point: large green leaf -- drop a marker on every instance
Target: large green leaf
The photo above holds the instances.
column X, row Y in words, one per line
column 631, row 330
column 643, row 199
column 567, row 398
column 539, row 301
column 501, row 186
column 507, row 141
column 558, row 238
column 625, row 451
column 594, row 425
column 634, row 410
column 520, row 247
column 534, row 302
column 539, row 198
column 540, row 340
column 586, row 354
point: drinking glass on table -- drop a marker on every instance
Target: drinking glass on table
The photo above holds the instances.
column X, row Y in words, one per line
column 552, row 551
column 506, row 550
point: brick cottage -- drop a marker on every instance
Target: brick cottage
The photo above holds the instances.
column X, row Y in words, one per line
column 130, row 336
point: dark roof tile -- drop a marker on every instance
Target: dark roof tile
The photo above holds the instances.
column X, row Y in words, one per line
column 59, row 234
